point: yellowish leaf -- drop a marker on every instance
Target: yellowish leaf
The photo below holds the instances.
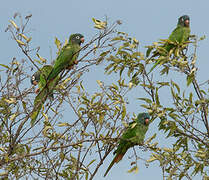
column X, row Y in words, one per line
column 130, row 85
column 99, row 24
column 63, row 124
column 100, row 83
column 57, row 42
column 116, row 102
column 45, row 116
column 43, row 60
column 66, row 80
column 150, row 139
column 10, row 100
column 123, row 111
column 13, row 23
column 85, row 134
column 2, row 149
column 3, row 174
column 45, row 130
column 13, row 116
column 20, row 42
column 134, row 169
column 152, row 159
column 135, row 41
column 29, row 39
column 24, row 36
column 66, row 41
column 133, row 125
column 167, row 149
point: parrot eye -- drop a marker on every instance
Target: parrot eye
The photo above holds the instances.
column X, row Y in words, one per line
column 33, row 78
column 77, row 37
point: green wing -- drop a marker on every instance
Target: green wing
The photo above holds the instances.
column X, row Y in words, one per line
column 38, row 102
column 67, row 56
column 45, row 71
column 44, row 92
column 179, row 34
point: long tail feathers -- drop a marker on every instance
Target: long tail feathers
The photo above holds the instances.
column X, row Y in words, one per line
column 38, row 102
column 116, row 159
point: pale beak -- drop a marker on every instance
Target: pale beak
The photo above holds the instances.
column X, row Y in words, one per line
column 147, row 121
column 82, row 40
column 186, row 23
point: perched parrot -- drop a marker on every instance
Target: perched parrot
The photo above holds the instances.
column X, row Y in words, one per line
column 133, row 135
column 67, row 56
column 65, row 60
column 180, row 34
column 40, row 77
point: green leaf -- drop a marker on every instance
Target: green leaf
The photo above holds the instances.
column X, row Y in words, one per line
column 91, row 162
column 202, row 38
column 146, row 100
column 151, row 159
column 190, row 97
column 123, row 111
column 5, row 66
column 176, row 86
column 149, row 50
column 150, row 139
column 157, row 97
column 190, row 78
column 57, row 42
column 63, row 124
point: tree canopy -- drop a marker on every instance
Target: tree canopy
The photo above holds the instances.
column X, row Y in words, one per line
column 77, row 130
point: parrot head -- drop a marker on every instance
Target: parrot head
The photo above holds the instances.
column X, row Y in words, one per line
column 76, row 39
column 35, row 78
column 143, row 118
column 184, row 21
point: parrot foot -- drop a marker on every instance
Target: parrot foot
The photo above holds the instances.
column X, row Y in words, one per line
column 37, row 90
column 76, row 62
column 70, row 67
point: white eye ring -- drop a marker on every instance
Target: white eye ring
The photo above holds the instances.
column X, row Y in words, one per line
column 33, row 78
column 77, row 37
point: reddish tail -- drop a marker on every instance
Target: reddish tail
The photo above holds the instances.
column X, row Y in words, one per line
column 116, row 159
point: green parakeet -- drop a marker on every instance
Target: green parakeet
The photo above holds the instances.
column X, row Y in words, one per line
column 133, row 135
column 65, row 59
column 40, row 78
column 180, row 34
column 67, row 56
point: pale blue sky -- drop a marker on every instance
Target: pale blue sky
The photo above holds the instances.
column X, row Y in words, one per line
column 147, row 21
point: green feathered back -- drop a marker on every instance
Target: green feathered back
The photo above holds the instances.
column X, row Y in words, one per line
column 67, row 56
column 45, row 71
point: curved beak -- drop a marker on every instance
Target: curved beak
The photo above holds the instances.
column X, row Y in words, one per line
column 186, row 22
column 147, row 121
column 82, row 40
